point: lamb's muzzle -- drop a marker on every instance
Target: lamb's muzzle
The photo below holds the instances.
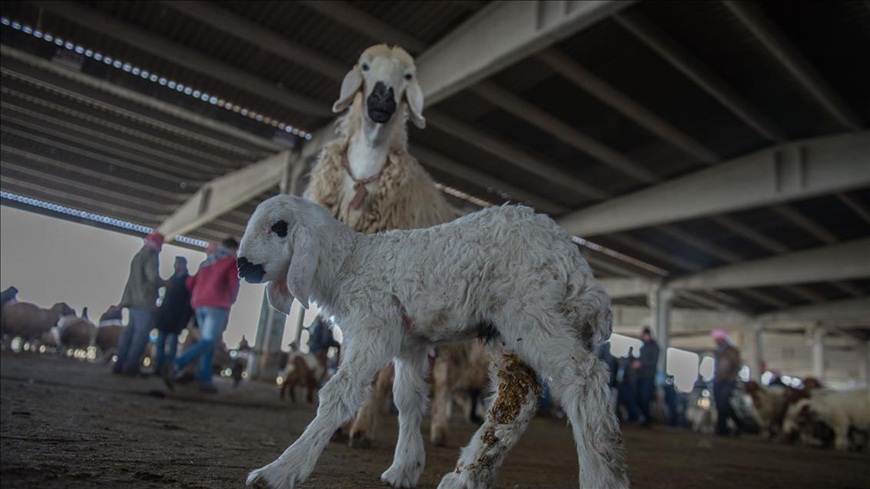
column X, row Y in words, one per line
column 250, row 272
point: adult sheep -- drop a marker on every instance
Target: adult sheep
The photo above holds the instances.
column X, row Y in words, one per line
column 367, row 179
column 29, row 321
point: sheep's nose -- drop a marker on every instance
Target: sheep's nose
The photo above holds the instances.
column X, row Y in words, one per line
column 252, row 273
column 381, row 93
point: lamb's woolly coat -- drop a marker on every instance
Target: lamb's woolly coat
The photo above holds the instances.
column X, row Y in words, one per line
column 399, row 291
column 840, row 410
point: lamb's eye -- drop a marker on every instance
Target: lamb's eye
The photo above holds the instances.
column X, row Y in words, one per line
column 408, row 76
column 280, row 228
column 365, row 67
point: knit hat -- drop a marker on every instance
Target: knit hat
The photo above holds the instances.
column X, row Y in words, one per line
column 155, row 238
column 721, row 334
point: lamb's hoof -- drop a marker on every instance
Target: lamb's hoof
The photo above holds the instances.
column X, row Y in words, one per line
column 359, row 440
column 454, row 480
column 266, row 478
column 399, row 477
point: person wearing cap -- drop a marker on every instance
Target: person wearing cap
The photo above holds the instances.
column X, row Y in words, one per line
column 646, row 375
column 725, row 367
column 173, row 315
column 140, row 298
column 213, row 289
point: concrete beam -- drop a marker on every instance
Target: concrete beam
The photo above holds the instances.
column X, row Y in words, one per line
column 848, row 260
column 189, row 58
column 566, row 133
column 792, row 171
column 519, row 158
column 499, row 35
column 598, row 88
column 465, row 172
column 619, row 288
column 788, row 55
column 699, row 73
column 223, row 194
column 142, row 107
column 841, row 310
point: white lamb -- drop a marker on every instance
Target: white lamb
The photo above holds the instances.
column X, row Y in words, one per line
column 840, row 410
column 504, row 273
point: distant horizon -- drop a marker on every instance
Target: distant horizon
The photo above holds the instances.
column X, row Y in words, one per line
column 48, row 258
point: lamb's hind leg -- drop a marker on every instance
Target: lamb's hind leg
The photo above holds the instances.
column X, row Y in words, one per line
column 579, row 382
column 410, row 392
column 513, row 407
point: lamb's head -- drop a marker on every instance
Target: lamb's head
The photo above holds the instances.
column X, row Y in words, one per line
column 280, row 246
column 385, row 77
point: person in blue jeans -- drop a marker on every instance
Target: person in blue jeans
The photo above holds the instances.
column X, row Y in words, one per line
column 213, row 290
column 173, row 315
column 140, row 298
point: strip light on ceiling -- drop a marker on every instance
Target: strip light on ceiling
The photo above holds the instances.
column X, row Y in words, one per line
column 110, row 221
column 155, row 78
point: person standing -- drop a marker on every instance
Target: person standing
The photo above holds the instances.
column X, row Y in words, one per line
column 173, row 315
column 140, row 298
column 627, row 380
column 214, row 289
column 725, row 368
column 646, row 375
column 321, row 340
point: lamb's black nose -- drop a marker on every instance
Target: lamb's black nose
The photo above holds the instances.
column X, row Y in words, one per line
column 253, row 274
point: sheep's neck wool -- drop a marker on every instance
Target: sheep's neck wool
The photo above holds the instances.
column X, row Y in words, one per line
column 359, row 185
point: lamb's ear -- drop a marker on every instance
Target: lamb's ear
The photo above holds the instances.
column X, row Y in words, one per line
column 349, row 86
column 414, row 96
column 300, row 277
column 279, row 296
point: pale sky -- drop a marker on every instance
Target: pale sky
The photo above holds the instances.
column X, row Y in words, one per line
column 51, row 260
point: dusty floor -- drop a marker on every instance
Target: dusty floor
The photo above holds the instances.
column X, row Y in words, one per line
column 70, row 424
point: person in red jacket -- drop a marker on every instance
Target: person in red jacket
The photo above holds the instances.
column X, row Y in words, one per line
column 213, row 290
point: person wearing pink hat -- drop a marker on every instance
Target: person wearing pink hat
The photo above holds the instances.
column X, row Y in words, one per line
column 726, row 366
column 140, row 298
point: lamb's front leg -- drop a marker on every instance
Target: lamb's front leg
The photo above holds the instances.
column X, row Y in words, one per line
column 410, row 393
column 339, row 400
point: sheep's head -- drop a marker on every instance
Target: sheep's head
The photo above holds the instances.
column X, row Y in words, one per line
column 278, row 247
column 63, row 309
column 386, row 77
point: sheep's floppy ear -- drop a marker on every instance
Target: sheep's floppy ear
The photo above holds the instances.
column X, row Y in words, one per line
column 414, row 96
column 300, row 277
column 349, row 86
column 279, row 296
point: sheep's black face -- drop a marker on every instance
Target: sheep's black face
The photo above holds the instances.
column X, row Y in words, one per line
column 381, row 103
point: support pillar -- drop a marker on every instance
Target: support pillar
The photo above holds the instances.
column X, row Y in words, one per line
column 754, row 349
column 660, row 300
column 264, row 362
column 818, row 350
column 863, row 351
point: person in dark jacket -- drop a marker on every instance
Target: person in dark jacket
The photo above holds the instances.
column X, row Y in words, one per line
column 10, row 295
column 321, row 340
column 627, row 379
column 173, row 315
column 140, row 298
column 725, row 367
column 646, row 375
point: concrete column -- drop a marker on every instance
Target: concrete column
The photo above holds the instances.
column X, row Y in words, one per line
column 819, row 352
column 753, row 353
column 863, row 351
column 264, row 360
column 660, row 300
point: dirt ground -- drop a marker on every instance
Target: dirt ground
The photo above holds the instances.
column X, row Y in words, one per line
column 67, row 423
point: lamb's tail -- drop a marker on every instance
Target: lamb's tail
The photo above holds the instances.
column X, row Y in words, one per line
column 589, row 306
